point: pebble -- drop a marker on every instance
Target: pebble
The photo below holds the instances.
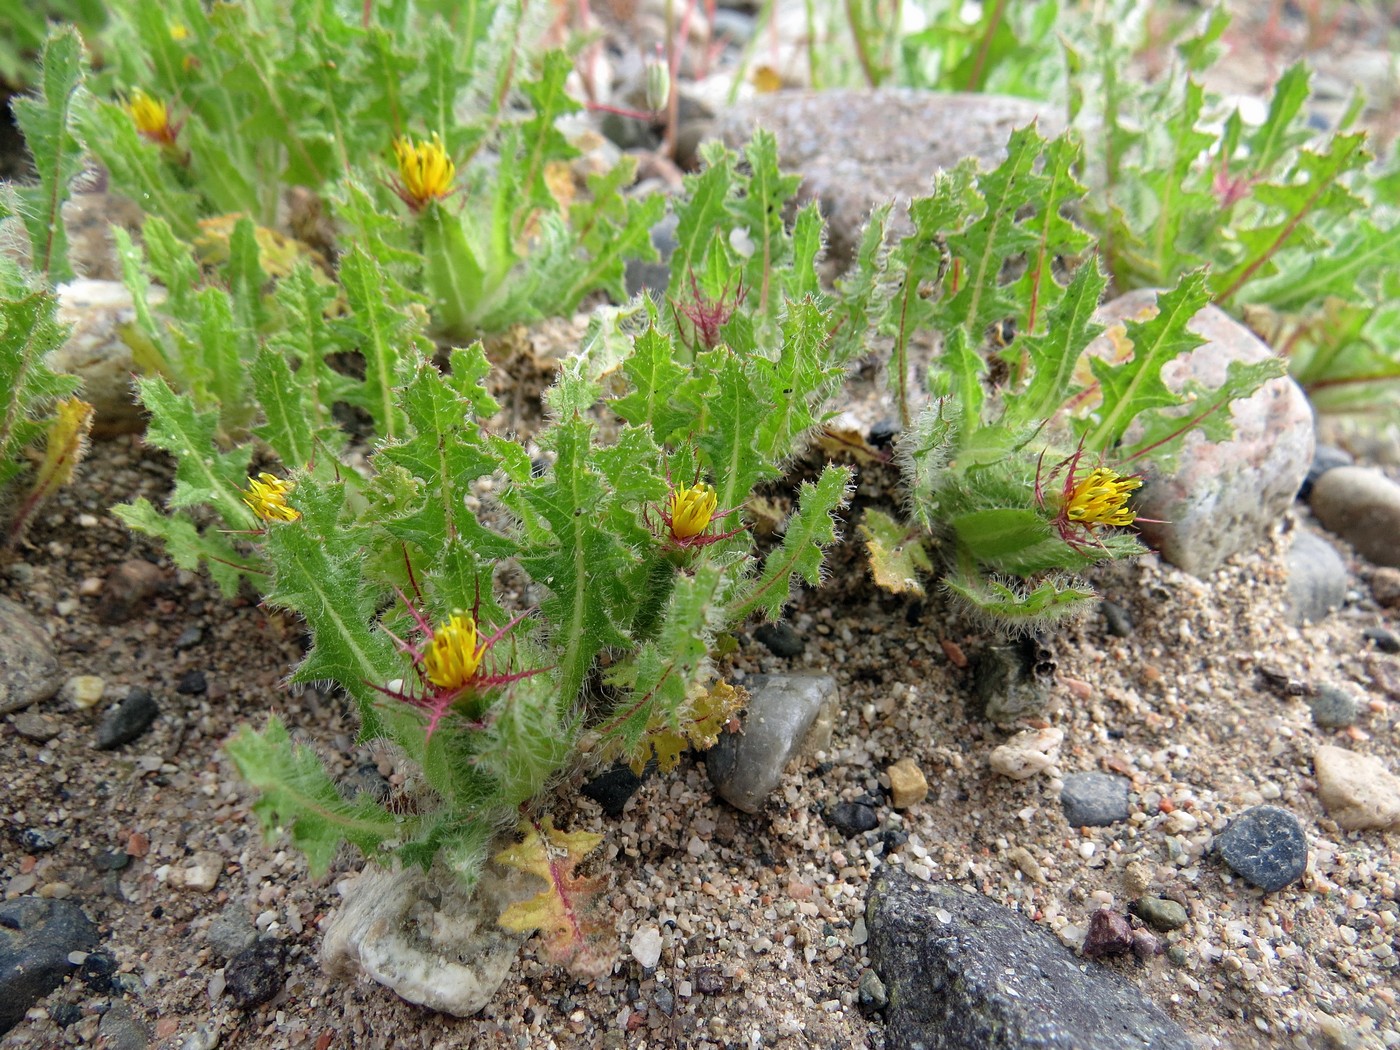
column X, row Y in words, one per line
column 1356, row 790
column 1117, row 619
column 119, row 1029
column 852, row 818
column 1159, row 913
column 709, row 981
column 1028, row 753
column 97, row 350
column 128, row 720
column 1363, row 507
column 1317, row 578
column 1325, row 458
column 745, row 767
column 254, row 975
column 654, row 276
column 1221, row 498
column 128, row 586
column 1334, row 708
column 39, row 728
column 1265, row 846
column 908, row 785
column 26, row 653
column 664, row 1000
column 1013, row 681
column 646, row 947
column 192, row 683
column 83, row 691
column 1109, row 934
column 37, row 936
column 189, row 638
column 1094, row 799
column 39, row 840
column 1385, row 587
column 781, row 639
column 202, row 873
column 613, row 787
column 1385, row 641
column 870, row 993
column 97, row 968
column 957, row 966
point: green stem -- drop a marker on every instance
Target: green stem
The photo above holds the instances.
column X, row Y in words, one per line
column 455, row 278
column 660, row 582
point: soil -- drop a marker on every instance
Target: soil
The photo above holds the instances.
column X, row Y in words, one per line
column 761, row 916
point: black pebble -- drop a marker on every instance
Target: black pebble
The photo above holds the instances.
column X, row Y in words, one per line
column 254, row 975
column 612, row 789
column 111, row 860
column 781, row 639
column 709, row 981
column 852, row 818
column 192, row 683
column 132, row 717
column 36, row 937
column 189, row 638
column 883, row 433
column 1265, row 846
column 664, row 999
column 1117, row 619
column 65, row 1014
column 97, row 969
column 1385, row 641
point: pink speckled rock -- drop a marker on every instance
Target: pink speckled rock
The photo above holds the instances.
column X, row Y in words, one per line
column 1222, row 498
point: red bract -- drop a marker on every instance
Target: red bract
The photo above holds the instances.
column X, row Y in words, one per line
column 707, row 316
column 1087, row 502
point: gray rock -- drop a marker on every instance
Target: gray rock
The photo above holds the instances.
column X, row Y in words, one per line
column 1265, row 846
column 1159, row 913
column 654, row 277
column 1094, row 799
column 746, row 766
column 871, row 992
column 427, row 937
column 1013, row 681
column 1362, row 507
column 97, row 352
column 1317, row 578
column 1221, row 498
column 120, row 1029
column 1385, row 641
column 29, row 671
column 36, row 937
column 33, row 726
column 965, row 973
column 128, row 720
column 781, row 639
column 254, row 975
column 1334, row 708
column 856, row 149
column 1117, row 619
column 853, row 818
column 231, row 932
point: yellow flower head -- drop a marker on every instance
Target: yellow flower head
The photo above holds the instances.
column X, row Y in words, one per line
column 454, row 656
column 267, row 498
column 425, row 171
column 179, row 32
column 691, row 510
column 1101, row 498
column 151, row 117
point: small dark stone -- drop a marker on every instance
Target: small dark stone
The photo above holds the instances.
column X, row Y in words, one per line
column 128, row 720
column 126, row 984
column 1177, row 954
column 36, row 727
column 1159, row 913
column 1334, row 708
column 97, row 969
column 192, row 683
column 254, row 975
column 1265, row 846
column 709, row 981
column 120, row 1030
column 1117, row 619
column 1317, row 578
column 852, row 818
column 36, row 937
column 364, row 779
column 871, row 992
column 1014, row 680
column 612, row 789
column 39, row 840
column 1094, row 799
column 1145, row 946
column 883, row 433
column 126, row 589
column 65, row 1014
column 1109, row 934
column 189, row 638
column 892, row 839
column 231, row 932
column 664, row 1000
column 781, row 639
column 1385, row 641
column 1325, row 458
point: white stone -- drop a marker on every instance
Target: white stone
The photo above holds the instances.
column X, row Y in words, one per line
column 646, row 947
column 84, row 690
column 1028, row 753
column 202, row 873
column 1356, row 790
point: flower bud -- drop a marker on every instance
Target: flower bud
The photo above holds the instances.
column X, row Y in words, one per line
column 658, row 84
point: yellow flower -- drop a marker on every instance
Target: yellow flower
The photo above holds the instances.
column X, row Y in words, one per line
column 691, row 510
column 453, row 658
column 425, row 171
column 267, row 498
column 1101, row 498
column 151, row 117
column 179, row 33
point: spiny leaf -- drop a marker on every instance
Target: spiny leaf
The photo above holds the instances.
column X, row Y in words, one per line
column 190, row 548
column 897, row 555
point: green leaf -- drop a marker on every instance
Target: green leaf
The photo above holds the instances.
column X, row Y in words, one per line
column 191, row 549
column 28, row 331
column 297, row 793
column 46, row 121
column 809, row 531
column 1053, row 353
column 653, row 374
column 385, row 333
